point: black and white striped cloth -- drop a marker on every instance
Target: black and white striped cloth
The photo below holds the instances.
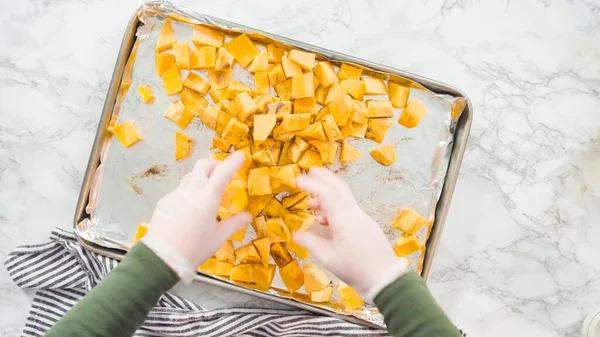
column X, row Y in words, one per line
column 63, row 272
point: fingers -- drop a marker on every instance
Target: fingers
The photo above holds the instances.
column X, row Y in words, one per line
column 312, row 185
column 321, row 247
column 234, row 223
column 322, row 220
column 225, row 170
column 314, row 204
column 199, row 175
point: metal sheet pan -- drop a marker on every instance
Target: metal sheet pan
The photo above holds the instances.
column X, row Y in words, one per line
column 114, row 100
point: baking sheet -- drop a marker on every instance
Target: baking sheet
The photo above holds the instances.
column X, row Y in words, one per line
column 129, row 182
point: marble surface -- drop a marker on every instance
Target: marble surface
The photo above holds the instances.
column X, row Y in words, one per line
column 519, row 254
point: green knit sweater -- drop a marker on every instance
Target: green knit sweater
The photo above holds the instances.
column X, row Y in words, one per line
column 118, row 305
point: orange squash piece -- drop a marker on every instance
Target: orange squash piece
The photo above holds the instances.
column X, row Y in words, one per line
column 224, row 59
column 203, row 57
column 284, row 89
column 261, row 82
column 296, row 122
column 326, row 149
column 235, row 131
column 314, row 278
column 346, row 130
column 407, row 244
column 306, row 105
column 264, row 157
column 218, row 95
column 257, row 203
column 280, row 254
column 209, row 116
column 146, row 93
column 322, row 113
column 166, row 39
column 361, row 112
column 355, row 88
column 172, row 80
column 289, row 201
column 310, row 159
column 235, row 198
column 358, row 130
column 398, row 94
column 303, row 86
column 209, row 266
column 290, row 68
column 244, row 106
column 292, row 276
column 183, row 144
column 385, row 155
column 260, row 62
column 181, row 50
column 323, row 295
column 380, row 109
column 303, row 59
column 341, row 109
column 321, row 94
column 377, row 128
column 242, row 49
column 409, row 221
column 299, row 221
column 226, row 253
column 274, row 209
column 219, row 78
column 279, row 109
column 276, row 74
column 196, row 83
column 260, row 226
column 236, row 87
column 163, row 62
column 274, row 53
column 204, row 36
column 282, row 178
column 239, row 235
column 374, row 86
column 297, row 149
column 335, row 92
column 297, row 250
column 349, row 72
column 263, row 126
column 332, row 131
column 223, row 268
column 300, row 205
column 278, row 231
column 258, row 181
column 193, row 101
column 248, row 254
column 325, row 73
column 241, row 273
column 349, row 296
column 349, row 153
column 263, row 246
column 263, row 276
column 413, row 113
column 179, row 114
column 140, row 232
column 313, row 132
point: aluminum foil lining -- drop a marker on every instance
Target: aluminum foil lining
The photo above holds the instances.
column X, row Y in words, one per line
column 129, row 182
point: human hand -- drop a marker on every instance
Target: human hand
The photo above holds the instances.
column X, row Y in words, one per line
column 357, row 251
column 184, row 221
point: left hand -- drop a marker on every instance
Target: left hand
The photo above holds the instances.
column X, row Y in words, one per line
column 185, row 219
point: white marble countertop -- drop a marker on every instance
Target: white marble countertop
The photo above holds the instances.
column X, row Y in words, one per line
column 519, row 254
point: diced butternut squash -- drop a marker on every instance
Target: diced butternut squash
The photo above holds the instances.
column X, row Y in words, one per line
column 146, row 93
column 235, row 198
column 398, row 94
column 165, row 39
column 335, row 92
column 316, row 82
column 303, row 59
column 309, row 159
column 261, row 82
column 203, row 57
column 239, row 235
column 290, row 68
column 209, row 116
column 280, row 109
column 196, row 83
column 193, row 101
column 163, row 62
column 181, row 50
column 374, row 86
column 321, row 94
column 349, row 296
column 258, row 181
column 260, row 227
column 355, row 88
column 300, row 205
column 224, row 59
column 346, row 130
column 332, row 131
column 218, row 95
column 276, row 74
column 326, row 149
column 244, row 106
column 280, row 254
column 140, row 232
column 274, row 53
column 409, row 221
column 257, row 203
column 297, row 250
column 275, row 209
column 282, row 178
column 223, row 268
column 208, row 267
column 179, row 114
column 183, row 144
column 297, row 149
column 359, row 130
column 263, row 276
column 278, row 231
column 322, row 113
column 220, row 78
column 248, row 254
column 284, row 89
column 349, row 72
column 341, row 109
column 296, row 122
column 299, row 221
column 235, row 131
column 323, row 295
column 172, row 80
column 314, row 278
column 204, row 36
column 262, row 100
column 349, row 153
column 303, row 86
column 361, row 112
column 292, row 276
column 380, row 109
column 377, row 128
column 292, row 199
column 325, row 73
column 219, row 156
column 263, row 126
column 272, row 145
column 236, row 87
column 226, row 252
column 385, row 155
column 406, row 244
column 313, row 132
column 263, row 247
column 413, row 113
column 242, row 49
column 241, row 273
column 306, row 105
column 260, row 62
column 282, row 135
column 264, row 157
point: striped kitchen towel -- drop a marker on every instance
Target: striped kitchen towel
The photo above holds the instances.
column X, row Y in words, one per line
column 63, row 272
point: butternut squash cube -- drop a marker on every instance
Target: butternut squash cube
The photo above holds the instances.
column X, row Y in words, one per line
column 297, row 250
column 374, row 86
column 297, row 149
column 303, row 59
column 314, row 278
column 323, row 295
column 321, row 94
column 203, row 57
column 289, row 201
column 398, row 94
column 282, row 135
column 361, row 112
column 223, row 268
column 235, row 131
column 224, row 59
column 236, row 87
column 239, row 235
column 274, row 209
column 325, row 73
column 196, row 83
column 341, row 109
column 235, row 197
column 179, row 114
column 409, row 221
column 272, row 145
column 280, row 109
column 163, row 62
column 260, row 62
column 302, row 86
column 219, row 78
column 226, row 252
column 349, row 72
column 377, row 129
column 335, row 91
column 359, row 130
column 183, row 144
column 181, row 50
column 313, row 132
column 296, row 122
column 263, row 276
column 263, row 246
column 248, row 254
column 244, row 106
column 260, row 226
column 280, row 254
column 258, row 181
column 209, row 116
column 349, row 153
column 242, row 49
column 292, row 276
column 263, row 99
column 276, row 74
column 241, row 273
column 284, row 89
column 257, row 203
column 274, row 53
column 316, row 82
column 300, row 205
column 278, row 231
column 380, row 109
column 349, row 296
column 309, row 159
column 306, row 105
column 209, row 266
column 299, row 221
column 263, row 126
column 261, row 82
column 346, row 130
column 219, row 156
column 146, row 93
column 326, row 149
column 322, row 113
column 413, row 113
column 385, row 155
column 407, row 244
column 264, row 157
column 165, row 39
column 172, row 80
column 332, row 131
column 218, row 95
column 290, row 68
column 282, row 178
column 140, row 232
column 193, row 101
column 204, row 36
column 356, row 88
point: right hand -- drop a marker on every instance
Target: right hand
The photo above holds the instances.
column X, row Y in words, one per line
column 357, row 251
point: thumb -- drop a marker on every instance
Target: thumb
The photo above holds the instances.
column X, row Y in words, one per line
column 234, row 223
column 321, row 247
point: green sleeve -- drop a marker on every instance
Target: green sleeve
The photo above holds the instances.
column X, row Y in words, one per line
column 119, row 304
column 409, row 310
